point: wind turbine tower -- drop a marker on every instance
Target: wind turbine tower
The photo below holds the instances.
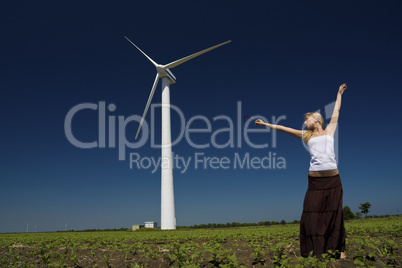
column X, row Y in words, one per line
column 168, row 218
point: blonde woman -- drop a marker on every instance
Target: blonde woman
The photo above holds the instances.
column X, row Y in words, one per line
column 321, row 225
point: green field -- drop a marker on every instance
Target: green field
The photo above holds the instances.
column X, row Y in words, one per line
column 369, row 243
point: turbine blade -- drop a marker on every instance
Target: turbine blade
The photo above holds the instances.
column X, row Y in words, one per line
column 154, row 63
column 182, row 60
column 149, row 102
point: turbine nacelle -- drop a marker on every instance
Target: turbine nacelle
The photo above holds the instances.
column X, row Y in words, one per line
column 164, row 72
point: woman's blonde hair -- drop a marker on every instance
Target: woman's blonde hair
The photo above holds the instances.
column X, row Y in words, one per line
column 308, row 133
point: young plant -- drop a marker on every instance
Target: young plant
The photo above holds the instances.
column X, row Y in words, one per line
column 258, row 256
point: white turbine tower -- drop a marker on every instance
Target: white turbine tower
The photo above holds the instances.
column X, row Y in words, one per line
column 168, row 218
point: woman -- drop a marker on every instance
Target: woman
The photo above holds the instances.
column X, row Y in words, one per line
column 321, row 225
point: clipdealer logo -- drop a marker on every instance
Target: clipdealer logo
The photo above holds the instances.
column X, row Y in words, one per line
column 112, row 128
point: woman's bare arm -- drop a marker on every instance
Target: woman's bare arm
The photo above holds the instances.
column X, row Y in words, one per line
column 293, row 132
column 331, row 128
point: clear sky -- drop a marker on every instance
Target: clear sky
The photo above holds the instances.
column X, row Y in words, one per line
column 286, row 58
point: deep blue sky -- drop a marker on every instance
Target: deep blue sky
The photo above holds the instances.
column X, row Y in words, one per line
column 285, row 58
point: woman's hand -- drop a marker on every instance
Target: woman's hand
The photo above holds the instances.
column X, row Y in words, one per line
column 342, row 88
column 259, row 122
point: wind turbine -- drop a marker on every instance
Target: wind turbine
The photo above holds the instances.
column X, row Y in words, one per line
column 168, row 218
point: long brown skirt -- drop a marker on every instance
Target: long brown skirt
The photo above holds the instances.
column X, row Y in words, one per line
column 321, row 224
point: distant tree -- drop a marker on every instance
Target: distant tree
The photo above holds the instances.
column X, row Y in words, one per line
column 283, row 222
column 347, row 213
column 365, row 208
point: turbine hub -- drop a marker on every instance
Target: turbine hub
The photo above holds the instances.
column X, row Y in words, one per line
column 165, row 73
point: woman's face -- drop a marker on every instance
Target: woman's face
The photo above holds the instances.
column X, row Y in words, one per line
column 309, row 122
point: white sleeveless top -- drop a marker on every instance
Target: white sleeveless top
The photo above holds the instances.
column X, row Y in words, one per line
column 322, row 153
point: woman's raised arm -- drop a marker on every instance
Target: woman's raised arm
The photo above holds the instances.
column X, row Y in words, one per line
column 293, row 132
column 331, row 128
